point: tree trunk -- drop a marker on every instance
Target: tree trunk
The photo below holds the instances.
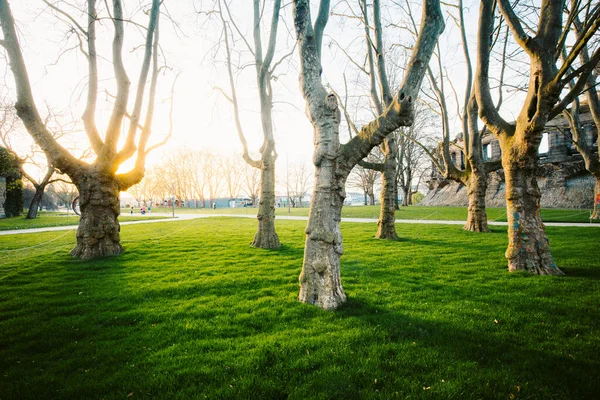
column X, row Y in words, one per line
column 528, row 245
column 596, row 213
column 98, row 231
column 320, row 281
column 371, row 198
column 386, row 226
column 405, row 195
column 266, row 237
column 477, row 214
column 34, row 206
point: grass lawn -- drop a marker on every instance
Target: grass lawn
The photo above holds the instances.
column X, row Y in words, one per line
column 412, row 212
column 191, row 311
column 47, row 219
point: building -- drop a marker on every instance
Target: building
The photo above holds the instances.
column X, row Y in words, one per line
column 562, row 177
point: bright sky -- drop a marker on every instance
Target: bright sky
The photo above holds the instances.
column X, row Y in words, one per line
column 202, row 117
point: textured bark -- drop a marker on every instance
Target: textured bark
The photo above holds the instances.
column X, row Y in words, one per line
column 98, row 231
column 320, row 281
column 98, row 183
column 477, row 215
column 596, row 213
column 386, row 225
column 34, row 206
column 528, row 245
column 266, row 237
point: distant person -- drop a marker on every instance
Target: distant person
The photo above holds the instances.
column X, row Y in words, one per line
column 149, row 208
column 131, row 210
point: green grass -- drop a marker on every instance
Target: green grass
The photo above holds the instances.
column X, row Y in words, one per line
column 191, row 311
column 412, row 213
column 48, row 219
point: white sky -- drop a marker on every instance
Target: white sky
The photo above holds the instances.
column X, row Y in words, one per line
column 202, row 117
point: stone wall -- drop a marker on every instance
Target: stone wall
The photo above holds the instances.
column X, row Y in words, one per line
column 2, row 196
column 562, row 177
column 564, row 185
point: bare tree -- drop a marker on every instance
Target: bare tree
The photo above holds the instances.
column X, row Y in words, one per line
column 213, row 178
column 411, row 155
column 583, row 139
column 250, row 183
column 9, row 124
column 320, row 281
column 365, row 178
column 64, row 190
column 265, row 237
column 528, row 245
column 298, row 182
column 232, row 169
column 98, row 182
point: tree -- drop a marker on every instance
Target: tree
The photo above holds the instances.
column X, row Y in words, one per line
column 411, row 155
column 583, row 139
column 98, row 182
column 365, row 178
column 266, row 236
column 64, row 191
column 211, row 173
column 10, row 169
column 381, row 97
column 298, row 182
column 320, row 281
column 232, row 173
column 250, row 184
column 528, row 245
column 8, row 127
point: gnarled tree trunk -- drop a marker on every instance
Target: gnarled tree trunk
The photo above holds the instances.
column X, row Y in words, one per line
column 266, row 237
column 98, row 231
column 477, row 214
column 320, row 281
column 528, row 245
column 386, row 225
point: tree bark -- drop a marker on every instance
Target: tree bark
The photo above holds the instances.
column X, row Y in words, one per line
column 98, row 231
column 528, row 245
column 596, row 213
column 320, row 281
column 386, row 226
column 266, row 237
column 35, row 202
column 477, row 214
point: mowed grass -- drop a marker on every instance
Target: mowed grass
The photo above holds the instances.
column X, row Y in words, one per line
column 410, row 213
column 191, row 311
column 48, row 219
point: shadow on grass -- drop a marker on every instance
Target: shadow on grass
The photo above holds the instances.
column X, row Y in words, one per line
column 491, row 351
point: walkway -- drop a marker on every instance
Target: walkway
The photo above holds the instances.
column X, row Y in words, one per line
column 183, row 217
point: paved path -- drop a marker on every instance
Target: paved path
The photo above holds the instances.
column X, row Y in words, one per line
column 183, row 217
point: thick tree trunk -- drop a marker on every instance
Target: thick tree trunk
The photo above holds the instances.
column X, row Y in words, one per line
column 266, row 237
column 371, row 198
column 320, row 281
column 34, row 206
column 528, row 245
column 477, row 214
column 596, row 213
column 98, row 231
column 386, row 226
